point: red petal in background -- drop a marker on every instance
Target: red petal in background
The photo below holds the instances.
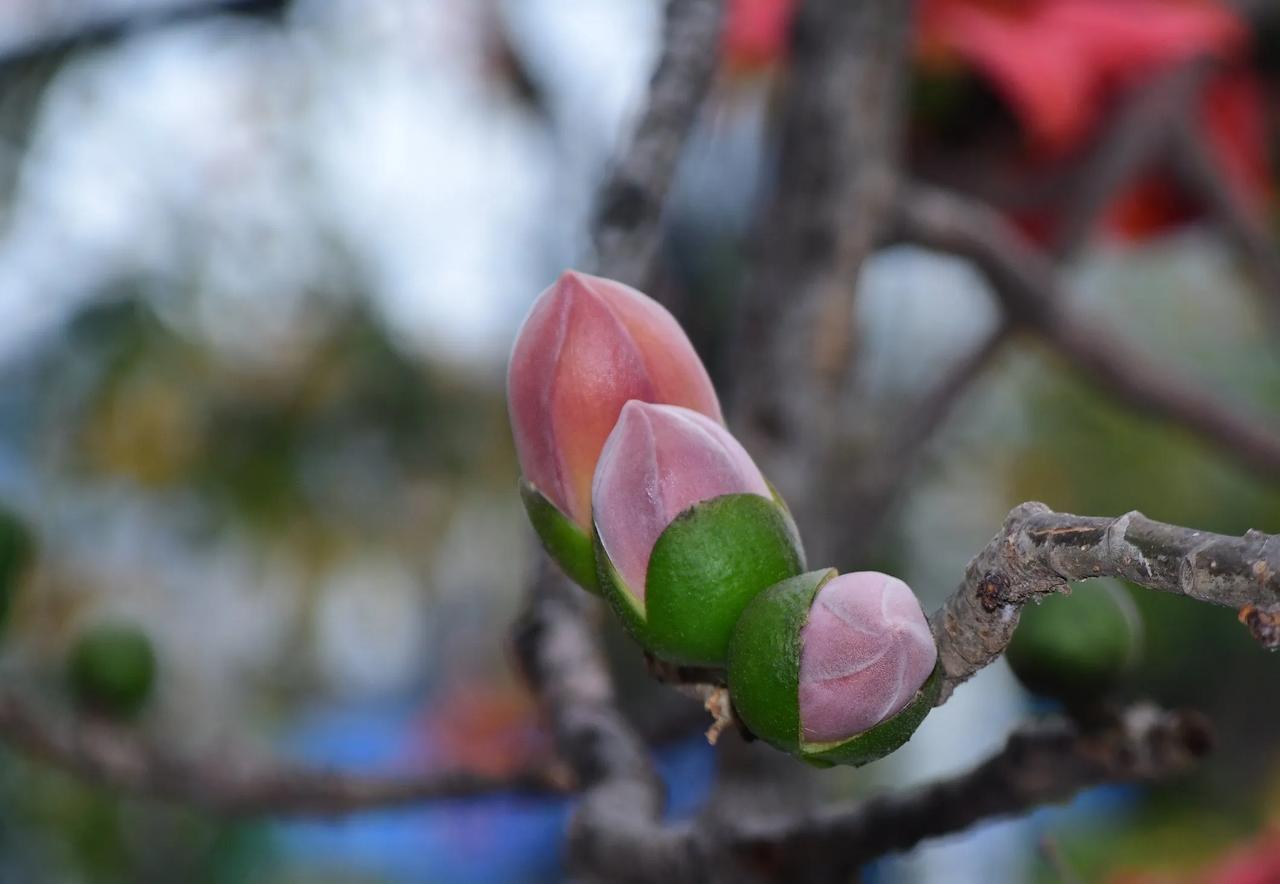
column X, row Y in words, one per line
column 1256, row 863
column 1233, row 120
column 1055, row 61
column 1148, row 207
column 1039, row 71
column 756, row 32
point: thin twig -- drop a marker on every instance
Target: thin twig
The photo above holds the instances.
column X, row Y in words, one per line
column 1043, row 763
column 837, row 170
column 617, row 824
column 117, row 757
column 1138, row 134
column 878, row 477
column 1244, row 226
column 628, row 229
column 1027, row 284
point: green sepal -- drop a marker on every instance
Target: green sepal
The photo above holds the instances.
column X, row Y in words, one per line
column 887, row 736
column 1077, row 647
column 706, row 566
column 17, row 552
column 764, row 658
column 561, row 537
column 764, row 680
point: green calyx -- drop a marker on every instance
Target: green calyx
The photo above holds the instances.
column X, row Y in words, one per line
column 764, row 680
column 561, row 537
column 1079, row 646
column 112, row 670
column 705, row 568
column 17, row 552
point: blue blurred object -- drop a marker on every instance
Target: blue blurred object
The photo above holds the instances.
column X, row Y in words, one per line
column 503, row 838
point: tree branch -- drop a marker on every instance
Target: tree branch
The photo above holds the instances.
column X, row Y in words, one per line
column 1139, row 133
column 618, row 822
column 1027, row 285
column 118, row 758
column 628, row 231
column 878, row 476
column 1152, row 123
column 1042, row 763
column 1039, row 552
column 838, row 164
column 1243, row 225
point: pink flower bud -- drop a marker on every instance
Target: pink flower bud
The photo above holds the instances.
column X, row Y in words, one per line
column 588, row 346
column 864, row 652
column 659, row 461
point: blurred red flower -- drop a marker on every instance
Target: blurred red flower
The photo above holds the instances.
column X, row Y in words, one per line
column 1056, row 62
column 1059, row 66
column 1255, row 863
column 755, row 33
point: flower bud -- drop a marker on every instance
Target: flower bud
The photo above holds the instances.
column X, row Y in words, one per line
column 687, row 530
column 112, row 670
column 587, row 347
column 864, row 652
column 834, row 669
column 1077, row 647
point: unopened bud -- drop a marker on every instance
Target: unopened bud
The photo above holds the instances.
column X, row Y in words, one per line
column 688, row 530
column 587, row 347
column 835, row 669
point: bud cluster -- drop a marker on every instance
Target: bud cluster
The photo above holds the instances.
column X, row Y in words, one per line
column 641, row 494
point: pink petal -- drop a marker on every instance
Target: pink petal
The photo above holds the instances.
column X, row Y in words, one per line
column 865, row 651
column 659, row 461
column 587, row 347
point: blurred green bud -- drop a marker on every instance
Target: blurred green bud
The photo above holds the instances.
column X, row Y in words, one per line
column 1077, row 647
column 112, row 670
column 835, row 669
column 17, row 552
column 687, row 531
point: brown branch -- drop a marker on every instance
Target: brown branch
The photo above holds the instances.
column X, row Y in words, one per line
column 838, row 164
column 617, row 828
column 1245, row 228
column 1043, row 763
column 1027, row 285
column 118, row 758
column 628, row 232
column 1039, row 551
column 1138, row 134
column 878, row 477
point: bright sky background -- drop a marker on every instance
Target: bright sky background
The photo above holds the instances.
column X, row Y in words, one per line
column 374, row 132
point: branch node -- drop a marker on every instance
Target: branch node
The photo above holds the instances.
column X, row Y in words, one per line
column 993, row 591
column 1263, row 624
